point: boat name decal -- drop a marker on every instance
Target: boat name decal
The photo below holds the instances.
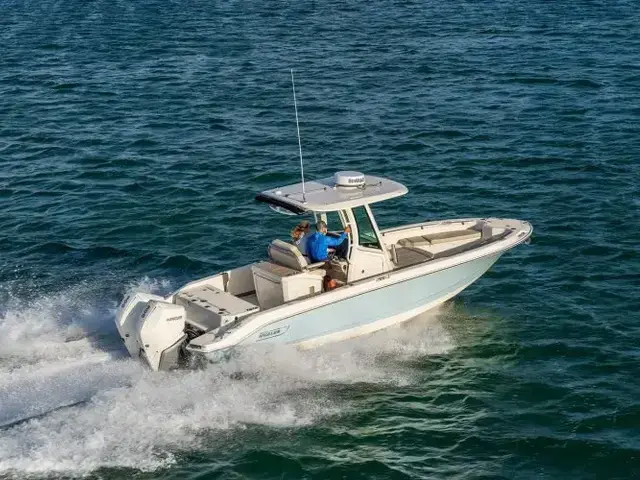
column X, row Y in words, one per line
column 272, row 333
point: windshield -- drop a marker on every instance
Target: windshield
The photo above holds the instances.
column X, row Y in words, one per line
column 366, row 234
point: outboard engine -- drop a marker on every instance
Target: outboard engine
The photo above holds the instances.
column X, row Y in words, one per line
column 153, row 329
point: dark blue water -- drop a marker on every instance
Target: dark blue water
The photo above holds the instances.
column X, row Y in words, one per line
column 133, row 136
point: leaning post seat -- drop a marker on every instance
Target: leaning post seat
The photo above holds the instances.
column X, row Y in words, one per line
column 289, row 255
column 276, row 284
column 286, row 277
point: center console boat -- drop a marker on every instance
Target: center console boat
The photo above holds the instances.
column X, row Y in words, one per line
column 387, row 276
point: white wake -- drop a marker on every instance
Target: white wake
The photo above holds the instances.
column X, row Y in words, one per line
column 71, row 401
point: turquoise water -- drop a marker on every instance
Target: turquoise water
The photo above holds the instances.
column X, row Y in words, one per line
column 132, row 140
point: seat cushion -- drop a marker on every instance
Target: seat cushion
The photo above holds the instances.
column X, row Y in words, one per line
column 417, row 241
column 286, row 254
column 271, row 270
column 408, row 256
column 453, row 236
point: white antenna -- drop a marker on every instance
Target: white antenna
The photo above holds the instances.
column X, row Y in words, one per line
column 299, row 142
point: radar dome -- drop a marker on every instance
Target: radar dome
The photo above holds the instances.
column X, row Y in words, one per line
column 349, row 179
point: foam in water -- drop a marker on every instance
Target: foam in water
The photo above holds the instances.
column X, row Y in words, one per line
column 72, row 402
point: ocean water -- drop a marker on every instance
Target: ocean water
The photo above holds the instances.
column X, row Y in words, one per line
column 133, row 137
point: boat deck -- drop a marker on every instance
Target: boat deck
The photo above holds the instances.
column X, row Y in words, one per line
column 408, row 256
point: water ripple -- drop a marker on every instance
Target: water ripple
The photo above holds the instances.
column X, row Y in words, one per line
column 133, row 139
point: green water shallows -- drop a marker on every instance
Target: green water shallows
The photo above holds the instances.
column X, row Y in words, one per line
column 133, row 136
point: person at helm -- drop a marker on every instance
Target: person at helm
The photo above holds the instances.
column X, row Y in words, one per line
column 319, row 243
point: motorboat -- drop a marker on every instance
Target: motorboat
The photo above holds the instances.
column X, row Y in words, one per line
column 386, row 276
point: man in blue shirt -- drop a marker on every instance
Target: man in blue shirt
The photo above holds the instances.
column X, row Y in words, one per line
column 319, row 243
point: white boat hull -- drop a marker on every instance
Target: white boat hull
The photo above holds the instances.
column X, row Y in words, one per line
column 368, row 312
column 366, row 329
column 160, row 330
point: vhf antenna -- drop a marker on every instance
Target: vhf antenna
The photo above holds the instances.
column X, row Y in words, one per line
column 293, row 85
